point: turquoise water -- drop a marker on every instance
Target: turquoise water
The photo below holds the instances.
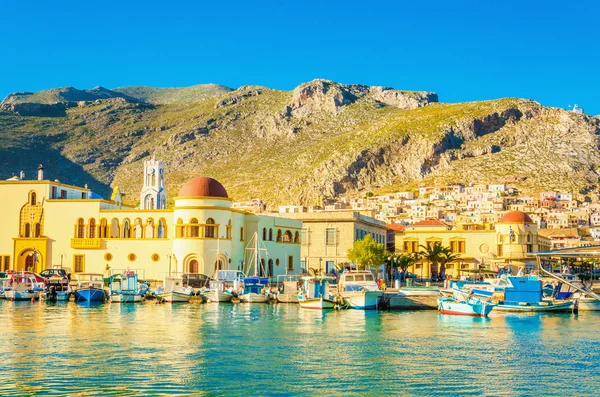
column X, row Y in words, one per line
column 212, row 349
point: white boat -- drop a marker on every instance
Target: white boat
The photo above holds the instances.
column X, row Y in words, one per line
column 315, row 293
column 289, row 291
column 465, row 307
column 359, row 290
column 22, row 287
column 172, row 290
column 413, row 298
column 255, row 290
column 218, row 292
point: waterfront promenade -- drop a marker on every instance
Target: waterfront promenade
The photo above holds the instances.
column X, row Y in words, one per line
column 212, row 349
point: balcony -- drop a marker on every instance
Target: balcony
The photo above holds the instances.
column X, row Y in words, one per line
column 86, row 243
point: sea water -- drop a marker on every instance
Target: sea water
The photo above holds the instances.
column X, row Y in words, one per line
column 281, row 349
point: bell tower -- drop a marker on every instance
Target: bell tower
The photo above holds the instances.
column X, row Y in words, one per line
column 153, row 195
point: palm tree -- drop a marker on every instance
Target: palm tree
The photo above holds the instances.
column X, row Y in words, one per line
column 446, row 257
column 407, row 260
column 433, row 254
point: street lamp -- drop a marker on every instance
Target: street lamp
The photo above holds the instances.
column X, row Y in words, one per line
column 320, row 266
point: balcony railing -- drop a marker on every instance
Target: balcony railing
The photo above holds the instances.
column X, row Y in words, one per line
column 86, row 243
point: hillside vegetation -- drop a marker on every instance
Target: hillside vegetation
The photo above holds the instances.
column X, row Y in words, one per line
column 319, row 141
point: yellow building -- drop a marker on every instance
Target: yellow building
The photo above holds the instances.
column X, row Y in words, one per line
column 328, row 235
column 509, row 242
column 49, row 224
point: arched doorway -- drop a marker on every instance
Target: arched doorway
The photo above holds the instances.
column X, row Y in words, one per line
column 193, row 266
column 29, row 260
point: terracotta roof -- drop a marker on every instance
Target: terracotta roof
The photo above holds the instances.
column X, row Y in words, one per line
column 203, row 186
column 430, row 222
column 395, row 227
column 566, row 233
column 515, row 217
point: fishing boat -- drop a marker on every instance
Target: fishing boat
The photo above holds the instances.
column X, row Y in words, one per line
column 413, row 298
column 90, row 288
column 255, row 290
column 359, row 290
column 524, row 294
column 315, row 293
column 57, row 285
column 4, row 278
column 218, row 292
column 289, row 289
column 125, row 287
column 172, row 290
column 22, row 287
column 463, row 304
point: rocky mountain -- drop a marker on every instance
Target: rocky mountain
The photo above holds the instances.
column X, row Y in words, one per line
column 319, row 141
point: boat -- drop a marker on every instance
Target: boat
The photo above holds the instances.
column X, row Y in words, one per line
column 524, row 294
column 125, row 287
column 359, row 290
column 172, row 290
column 255, row 290
column 413, row 298
column 289, row 289
column 218, row 292
column 463, row 304
column 570, row 287
column 90, row 288
column 4, row 277
column 22, row 286
column 315, row 293
column 57, row 285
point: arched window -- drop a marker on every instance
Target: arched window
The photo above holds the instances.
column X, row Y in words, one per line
column 114, row 228
column 149, row 228
column 179, row 230
column 261, row 270
column 209, row 231
column 38, row 230
column 151, row 203
column 193, row 266
column 80, row 228
column 103, row 231
column 33, row 198
column 228, row 231
column 162, row 229
column 278, row 236
column 27, row 230
column 126, row 229
column 270, row 234
column 138, row 229
column 219, row 265
column 92, row 232
column 264, row 233
column 297, row 237
column 270, row 274
column 287, row 237
column 194, row 228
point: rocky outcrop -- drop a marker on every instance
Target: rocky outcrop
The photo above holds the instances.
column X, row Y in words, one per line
column 38, row 109
column 240, row 95
column 403, row 99
column 324, row 96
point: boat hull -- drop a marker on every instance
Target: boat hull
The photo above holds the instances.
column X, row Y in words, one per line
column 363, row 300
column 318, row 304
column 453, row 307
column 126, row 298
column 412, row 301
column 254, row 298
column 174, row 297
column 21, row 295
column 534, row 308
column 288, row 298
column 89, row 295
column 61, row 296
column 588, row 304
column 217, row 296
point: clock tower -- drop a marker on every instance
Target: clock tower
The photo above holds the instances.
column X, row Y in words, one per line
column 153, row 195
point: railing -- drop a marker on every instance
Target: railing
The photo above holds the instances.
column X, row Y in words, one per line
column 86, row 243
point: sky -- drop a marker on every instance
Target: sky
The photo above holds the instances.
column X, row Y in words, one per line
column 547, row 51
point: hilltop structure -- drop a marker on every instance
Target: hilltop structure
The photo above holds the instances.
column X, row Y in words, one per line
column 51, row 224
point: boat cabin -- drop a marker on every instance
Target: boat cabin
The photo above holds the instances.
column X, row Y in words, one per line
column 317, row 287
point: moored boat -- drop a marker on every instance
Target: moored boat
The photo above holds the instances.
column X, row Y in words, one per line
column 524, row 294
column 465, row 307
column 90, row 288
column 359, row 290
column 255, row 290
column 125, row 287
column 218, row 292
column 413, row 298
column 22, row 287
column 173, row 291
column 315, row 293
column 289, row 289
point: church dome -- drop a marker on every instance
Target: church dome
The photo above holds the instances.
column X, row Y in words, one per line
column 515, row 217
column 203, row 186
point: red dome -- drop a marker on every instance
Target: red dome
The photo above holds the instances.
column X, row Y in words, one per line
column 515, row 217
column 203, row 186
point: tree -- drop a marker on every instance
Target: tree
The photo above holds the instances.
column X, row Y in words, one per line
column 447, row 256
column 367, row 253
column 433, row 255
column 405, row 261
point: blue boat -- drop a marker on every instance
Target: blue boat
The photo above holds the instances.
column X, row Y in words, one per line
column 255, row 290
column 524, row 294
column 90, row 288
column 125, row 287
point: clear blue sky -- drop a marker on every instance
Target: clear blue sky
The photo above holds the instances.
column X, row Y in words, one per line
column 544, row 50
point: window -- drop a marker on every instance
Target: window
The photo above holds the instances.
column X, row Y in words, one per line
column 179, row 228
column 63, row 194
column 114, row 228
column 193, row 266
column 80, row 228
column 411, row 246
column 132, row 257
column 108, row 257
column 6, row 263
column 241, row 233
column 54, row 194
column 33, row 200
column 529, row 247
column 209, row 231
column 27, row 230
column 304, row 236
column 162, row 232
column 92, row 232
column 103, row 232
column 297, row 237
column 228, row 231
column 83, row 195
column 126, row 229
column 270, row 268
column 270, row 234
column 78, row 263
column 194, row 228
column 457, row 246
column 287, row 237
column 38, row 230
column 500, row 250
column 155, row 257
column 278, row 236
column 330, row 236
column 264, row 233
column 290, row 264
